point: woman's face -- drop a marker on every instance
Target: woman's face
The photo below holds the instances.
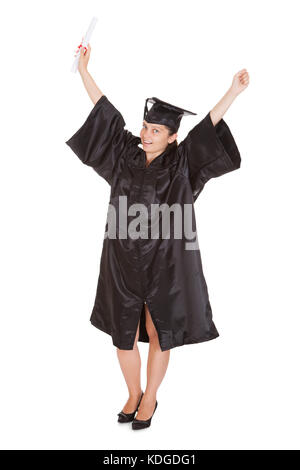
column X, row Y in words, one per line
column 155, row 137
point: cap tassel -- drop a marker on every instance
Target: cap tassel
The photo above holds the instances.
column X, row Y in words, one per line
column 146, row 108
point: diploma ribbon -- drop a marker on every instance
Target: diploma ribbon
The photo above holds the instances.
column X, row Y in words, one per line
column 78, row 48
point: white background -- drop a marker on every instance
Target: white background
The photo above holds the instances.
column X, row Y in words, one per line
column 61, row 384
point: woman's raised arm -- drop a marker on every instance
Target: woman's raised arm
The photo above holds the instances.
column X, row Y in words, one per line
column 239, row 83
column 93, row 91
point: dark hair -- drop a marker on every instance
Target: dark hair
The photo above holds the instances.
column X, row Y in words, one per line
column 171, row 132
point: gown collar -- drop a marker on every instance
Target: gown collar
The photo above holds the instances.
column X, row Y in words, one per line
column 163, row 160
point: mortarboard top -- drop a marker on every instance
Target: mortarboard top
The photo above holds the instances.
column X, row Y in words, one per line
column 164, row 113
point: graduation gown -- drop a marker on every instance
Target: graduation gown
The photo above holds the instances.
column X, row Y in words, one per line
column 166, row 273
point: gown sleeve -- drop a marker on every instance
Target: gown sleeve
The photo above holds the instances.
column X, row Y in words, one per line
column 102, row 140
column 210, row 151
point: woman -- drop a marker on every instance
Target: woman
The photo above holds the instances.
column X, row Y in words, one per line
column 152, row 288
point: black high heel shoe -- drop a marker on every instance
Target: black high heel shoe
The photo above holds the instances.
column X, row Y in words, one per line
column 141, row 423
column 128, row 417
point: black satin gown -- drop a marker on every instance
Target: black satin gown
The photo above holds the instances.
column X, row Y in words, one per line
column 165, row 273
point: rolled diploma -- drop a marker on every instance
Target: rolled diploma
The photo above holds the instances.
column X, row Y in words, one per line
column 84, row 43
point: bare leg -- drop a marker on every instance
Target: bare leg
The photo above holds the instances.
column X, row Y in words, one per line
column 157, row 364
column 130, row 362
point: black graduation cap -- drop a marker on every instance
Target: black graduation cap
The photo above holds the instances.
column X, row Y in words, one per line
column 164, row 113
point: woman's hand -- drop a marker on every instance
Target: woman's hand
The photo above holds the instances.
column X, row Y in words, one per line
column 240, row 82
column 84, row 58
